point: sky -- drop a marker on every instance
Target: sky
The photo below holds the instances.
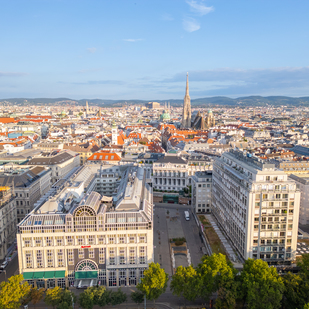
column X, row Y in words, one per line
column 143, row 49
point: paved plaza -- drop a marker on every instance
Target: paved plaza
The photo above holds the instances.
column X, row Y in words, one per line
column 170, row 223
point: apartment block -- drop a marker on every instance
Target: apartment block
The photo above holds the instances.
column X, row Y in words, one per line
column 8, row 220
column 201, row 191
column 257, row 205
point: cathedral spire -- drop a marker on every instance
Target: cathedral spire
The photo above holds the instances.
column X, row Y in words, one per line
column 187, row 85
column 186, row 113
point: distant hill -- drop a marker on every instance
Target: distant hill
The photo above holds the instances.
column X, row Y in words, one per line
column 223, row 101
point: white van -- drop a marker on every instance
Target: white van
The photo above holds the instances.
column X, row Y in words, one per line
column 187, row 216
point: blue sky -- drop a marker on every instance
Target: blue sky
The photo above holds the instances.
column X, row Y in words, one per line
column 142, row 49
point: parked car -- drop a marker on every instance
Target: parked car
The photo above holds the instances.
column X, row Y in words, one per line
column 4, row 265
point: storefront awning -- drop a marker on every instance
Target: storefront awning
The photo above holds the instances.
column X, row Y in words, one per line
column 60, row 274
column 28, row 276
column 38, row 275
column 49, row 275
column 44, row 275
column 86, row 274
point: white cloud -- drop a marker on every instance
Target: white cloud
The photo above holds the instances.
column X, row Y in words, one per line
column 132, row 40
column 199, row 8
column 92, row 50
column 190, row 24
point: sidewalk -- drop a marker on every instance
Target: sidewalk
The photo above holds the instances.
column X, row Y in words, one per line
column 228, row 248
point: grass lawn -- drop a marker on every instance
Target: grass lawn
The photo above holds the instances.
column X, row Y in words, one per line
column 213, row 239
column 306, row 241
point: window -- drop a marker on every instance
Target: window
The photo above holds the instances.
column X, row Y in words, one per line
column 70, row 257
column 80, row 240
column 121, row 239
column 131, row 238
column 50, row 258
column 112, row 257
column 122, row 256
column 38, row 241
column 91, row 253
column 81, row 253
column 132, row 255
column 91, row 240
column 29, row 259
column 39, row 259
column 101, row 240
column 102, row 256
column 111, row 239
column 60, row 257
column 59, row 240
column 49, row 241
column 27, row 242
column 70, row 241
column 142, row 255
column 142, row 238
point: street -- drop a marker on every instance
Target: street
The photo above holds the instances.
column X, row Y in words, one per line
column 10, row 270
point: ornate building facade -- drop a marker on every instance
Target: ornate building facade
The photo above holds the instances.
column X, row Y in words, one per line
column 81, row 238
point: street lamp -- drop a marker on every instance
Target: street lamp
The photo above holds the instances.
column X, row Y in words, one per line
column 72, row 301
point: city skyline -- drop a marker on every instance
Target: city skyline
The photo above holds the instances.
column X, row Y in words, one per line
column 139, row 50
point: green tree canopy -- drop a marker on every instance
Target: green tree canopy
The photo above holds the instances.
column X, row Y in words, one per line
column 12, row 292
column 53, row 296
column 295, row 292
column 103, row 299
column 154, row 282
column 86, row 298
column 137, row 297
column 184, row 283
column 261, row 285
column 304, row 265
column 36, row 295
column 66, row 300
column 98, row 294
column 215, row 272
column 118, row 297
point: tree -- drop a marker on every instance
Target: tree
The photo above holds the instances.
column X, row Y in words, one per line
column 13, row 291
column 66, row 300
column 117, row 298
column 306, row 306
column 137, row 297
column 184, row 282
column 36, row 295
column 154, row 282
column 216, row 273
column 86, row 299
column 53, row 296
column 261, row 285
column 304, row 265
column 99, row 293
column 104, row 298
column 295, row 292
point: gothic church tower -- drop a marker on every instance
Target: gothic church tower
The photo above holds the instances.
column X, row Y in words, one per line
column 186, row 114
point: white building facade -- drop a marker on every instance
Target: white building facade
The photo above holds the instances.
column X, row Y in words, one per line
column 201, row 192
column 257, row 206
column 80, row 238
